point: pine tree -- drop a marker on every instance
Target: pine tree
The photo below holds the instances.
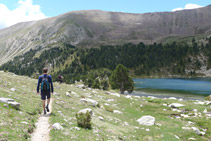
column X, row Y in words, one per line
column 120, row 79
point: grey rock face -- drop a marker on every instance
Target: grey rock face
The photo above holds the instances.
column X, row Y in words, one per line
column 91, row 28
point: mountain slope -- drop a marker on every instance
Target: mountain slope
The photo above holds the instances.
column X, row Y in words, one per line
column 91, row 28
column 115, row 118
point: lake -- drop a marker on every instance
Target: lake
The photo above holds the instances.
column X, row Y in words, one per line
column 196, row 88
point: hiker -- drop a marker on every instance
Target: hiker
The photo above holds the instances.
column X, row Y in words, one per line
column 60, row 79
column 46, row 88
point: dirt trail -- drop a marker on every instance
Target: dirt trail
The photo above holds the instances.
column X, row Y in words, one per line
column 41, row 133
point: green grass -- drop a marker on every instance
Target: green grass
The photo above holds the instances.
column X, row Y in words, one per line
column 11, row 127
column 112, row 128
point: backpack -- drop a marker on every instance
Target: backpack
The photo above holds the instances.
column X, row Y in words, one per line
column 45, row 84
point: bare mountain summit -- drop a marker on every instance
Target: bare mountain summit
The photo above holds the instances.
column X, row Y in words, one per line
column 94, row 27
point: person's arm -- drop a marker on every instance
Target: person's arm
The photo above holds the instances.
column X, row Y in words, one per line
column 51, row 84
column 38, row 85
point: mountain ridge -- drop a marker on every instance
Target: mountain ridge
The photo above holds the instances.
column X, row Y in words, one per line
column 92, row 28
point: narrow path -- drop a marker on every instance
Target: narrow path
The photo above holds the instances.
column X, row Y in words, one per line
column 41, row 133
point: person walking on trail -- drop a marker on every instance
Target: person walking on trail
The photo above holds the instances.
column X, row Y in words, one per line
column 46, row 88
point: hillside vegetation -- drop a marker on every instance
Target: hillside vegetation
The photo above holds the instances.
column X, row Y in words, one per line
column 75, row 63
column 114, row 117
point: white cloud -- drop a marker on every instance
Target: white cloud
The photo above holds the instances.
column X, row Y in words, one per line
column 187, row 6
column 25, row 11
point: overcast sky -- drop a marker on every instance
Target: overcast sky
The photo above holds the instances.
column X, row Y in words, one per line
column 15, row 11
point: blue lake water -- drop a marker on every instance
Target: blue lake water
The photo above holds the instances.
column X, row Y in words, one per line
column 173, row 87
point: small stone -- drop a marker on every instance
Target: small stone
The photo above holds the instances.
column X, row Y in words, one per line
column 15, row 105
column 205, row 111
column 13, row 89
column 172, row 98
column 176, row 105
column 147, row 130
column 191, row 139
column 68, row 94
column 101, row 118
column 77, row 128
column 23, row 122
column 117, row 112
column 146, row 120
column 177, row 137
column 57, row 126
column 84, row 111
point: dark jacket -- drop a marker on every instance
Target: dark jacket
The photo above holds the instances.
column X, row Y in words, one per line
column 49, row 80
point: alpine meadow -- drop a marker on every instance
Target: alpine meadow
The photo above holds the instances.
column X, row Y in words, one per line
column 101, row 72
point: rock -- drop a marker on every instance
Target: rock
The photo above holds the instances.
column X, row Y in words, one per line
column 185, row 116
column 68, row 94
column 199, row 102
column 5, row 105
column 177, row 137
column 172, row 98
column 74, row 93
column 197, row 131
column 152, row 97
column 195, row 110
column 126, row 124
column 23, row 122
column 147, row 130
column 176, row 105
column 57, row 126
column 77, row 128
column 110, row 100
column 13, row 89
column 14, row 104
column 180, row 99
column 83, row 111
column 115, row 94
column 165, row 105
column 205, row 111
column 6, row 100
column 93, row 102
column 146, row 120
column 117, row 112
column 186, row 128
column 191, row 139
column 106, row 104
column 127, row 96
column 101, row 118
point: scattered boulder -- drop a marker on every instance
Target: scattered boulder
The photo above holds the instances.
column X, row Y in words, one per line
column 84, row 111
column 101, row 118
column 198, row 131
column 199, row 102
column 57, row 126
column 68, row 94
column 146, row 120
column 128, row 96
column 87, row 100
column 15, row 105
column 176, row 105
column 6, row 100
column 13, row 89
column 205, row 111
column 192, row 139
column 172, row 98
column 117, row 112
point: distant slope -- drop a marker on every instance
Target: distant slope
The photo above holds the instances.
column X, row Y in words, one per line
column 94, row 27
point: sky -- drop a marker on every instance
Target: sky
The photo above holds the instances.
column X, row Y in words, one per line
column 15, row 11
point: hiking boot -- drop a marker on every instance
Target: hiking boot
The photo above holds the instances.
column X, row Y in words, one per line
column 47, row 108
column 44, row 112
